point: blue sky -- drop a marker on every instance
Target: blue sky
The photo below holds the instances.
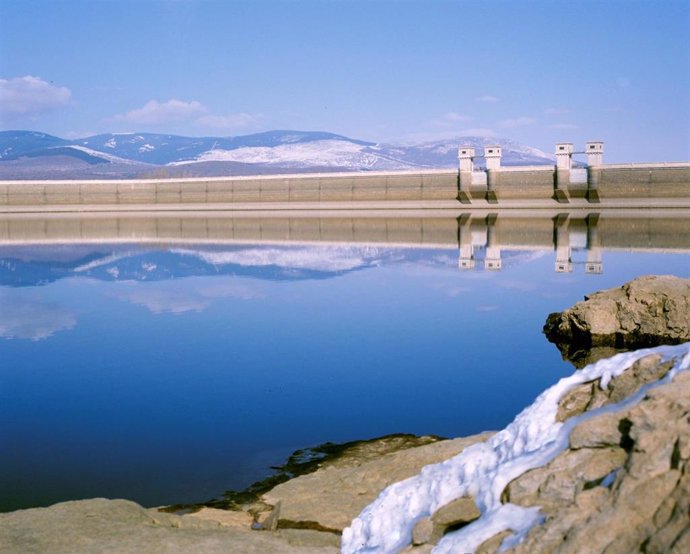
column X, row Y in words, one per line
column 536, row 72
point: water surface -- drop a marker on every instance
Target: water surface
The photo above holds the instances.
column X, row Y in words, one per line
column 172, row 371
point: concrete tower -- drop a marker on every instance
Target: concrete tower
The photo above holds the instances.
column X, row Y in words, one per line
column 492, row 155
column 466, row 158
column 595, row 153
column 564, row 162
column 564, row 155
column 466, row 166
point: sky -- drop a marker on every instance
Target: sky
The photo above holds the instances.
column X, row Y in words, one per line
column 537, row 72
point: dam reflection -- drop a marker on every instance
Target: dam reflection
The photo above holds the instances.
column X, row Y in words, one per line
column 578, row 239
column 570, row 235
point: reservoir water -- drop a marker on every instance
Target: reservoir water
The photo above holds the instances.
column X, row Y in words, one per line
column 168, row 362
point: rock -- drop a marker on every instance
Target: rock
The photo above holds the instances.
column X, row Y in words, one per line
column 224, row 518
column 330, row 498
column 643, row 506
column 647, row 311
column 493, row 544
column 645, row 370
column 590, row 395
column 576, row 401
column 458, row 512
column 453, row 515
column 423, row 529
column 100, row 525
column 598, row 432
column 558, row 483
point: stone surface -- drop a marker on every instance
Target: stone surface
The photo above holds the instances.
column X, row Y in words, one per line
column 423, row 529
column 589, row 396
column 599, row 432
column 224, row 518
column 100, row 525
column 644, row 508
column 457, row 512
column 647, row 311
column 330, row 498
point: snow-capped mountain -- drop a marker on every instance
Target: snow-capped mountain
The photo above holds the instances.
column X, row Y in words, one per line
column 26, row 154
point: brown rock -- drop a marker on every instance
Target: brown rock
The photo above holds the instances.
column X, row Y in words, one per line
column 575, row 401
column 224, row 518
column 645, row 509
column 647, row 311
column 597, row 432
column 492, row 545
column 423, row 529
column 100, row 525
column 460, row 511
column 588, row 396
column 330, row 498
column 557, row 484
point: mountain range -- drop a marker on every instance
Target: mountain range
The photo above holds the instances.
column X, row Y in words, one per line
column 35, row 155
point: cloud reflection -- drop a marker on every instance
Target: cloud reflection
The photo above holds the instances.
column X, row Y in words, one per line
column 183, row 296
column 23, row 316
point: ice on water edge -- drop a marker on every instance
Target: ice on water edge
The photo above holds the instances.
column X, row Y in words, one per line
column 483, row 470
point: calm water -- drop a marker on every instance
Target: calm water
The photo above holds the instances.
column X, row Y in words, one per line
column 171, row 373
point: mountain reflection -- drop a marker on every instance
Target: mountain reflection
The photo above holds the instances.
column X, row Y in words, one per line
column 35, row 251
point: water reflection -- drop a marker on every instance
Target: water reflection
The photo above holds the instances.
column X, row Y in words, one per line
column 169, row 359
column 28, row 316
column 318, row 247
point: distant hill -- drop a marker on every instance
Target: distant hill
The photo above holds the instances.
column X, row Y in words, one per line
column 32, row 155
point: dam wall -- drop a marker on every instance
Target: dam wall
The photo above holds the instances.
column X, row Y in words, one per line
column 540, row 186
column 338, row 187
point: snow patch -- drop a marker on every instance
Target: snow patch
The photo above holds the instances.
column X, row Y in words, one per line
column 97, row 154
column 319, row 153
column 102, row 261
column 483, row 470
column 315, row 259
column 110, row 143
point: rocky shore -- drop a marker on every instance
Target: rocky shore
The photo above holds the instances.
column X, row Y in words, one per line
column 621, row 485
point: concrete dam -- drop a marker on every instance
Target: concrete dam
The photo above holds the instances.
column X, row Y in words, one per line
column 565, row 183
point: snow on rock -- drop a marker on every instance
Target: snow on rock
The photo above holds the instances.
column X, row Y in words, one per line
column 110, row 143
column 483, row 470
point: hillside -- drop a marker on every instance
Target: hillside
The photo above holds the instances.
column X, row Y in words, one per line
column 33, row 155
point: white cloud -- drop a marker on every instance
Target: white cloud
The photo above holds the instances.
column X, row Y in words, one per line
column 193, row 112
column 232, row 121
column 487, row 98
column 517, row 122
column 449, row 119
column 31, row 96
column 478, row 132
column 564, row 126
column 25, row 317
column 184, row 296
column 556, row 111
column 172, row 111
